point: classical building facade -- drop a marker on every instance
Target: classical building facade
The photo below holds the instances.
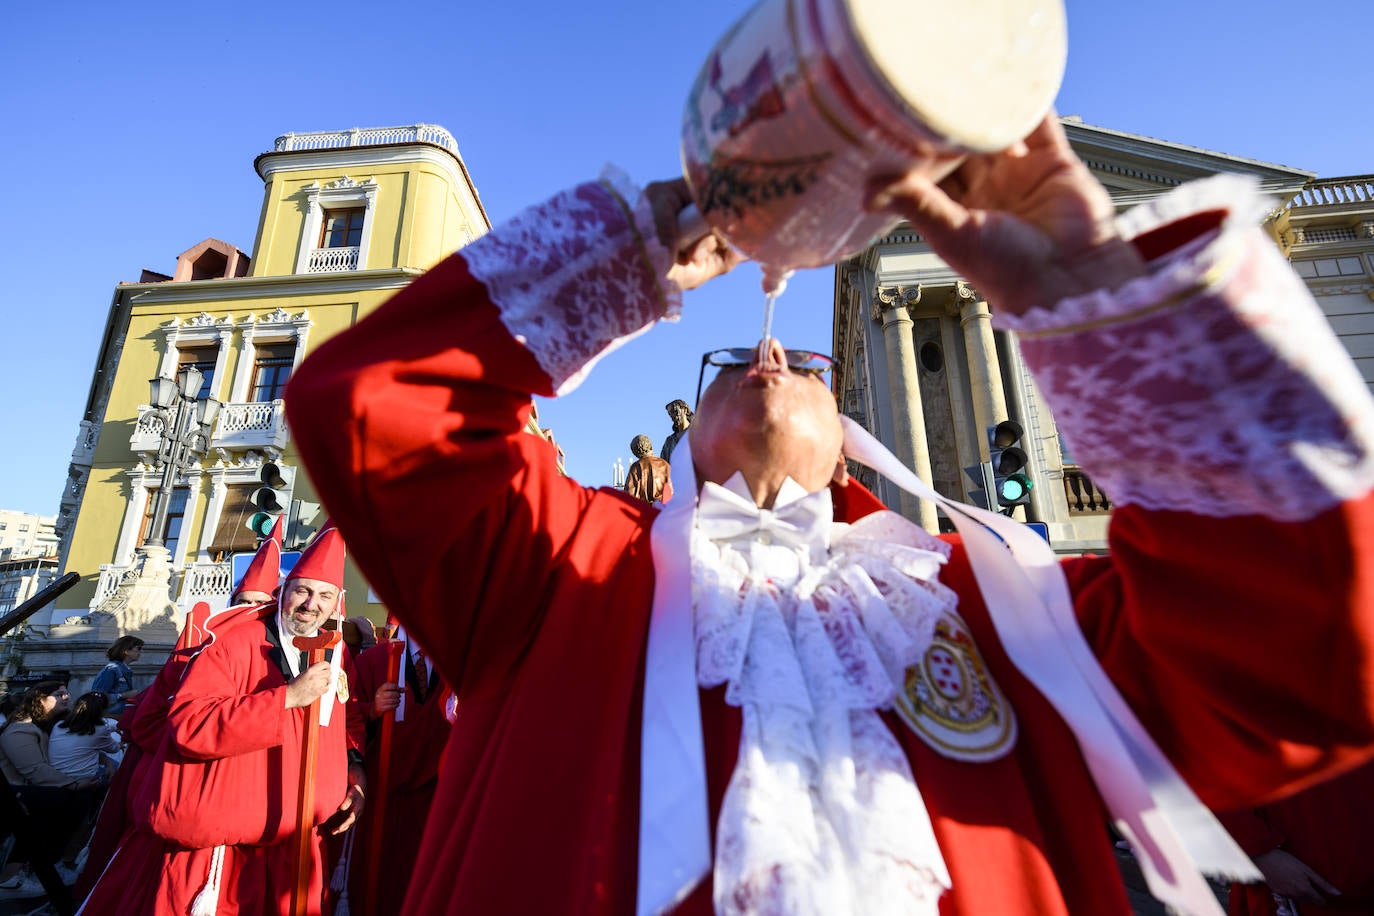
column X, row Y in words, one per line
column 347, row 218
column 919, row 364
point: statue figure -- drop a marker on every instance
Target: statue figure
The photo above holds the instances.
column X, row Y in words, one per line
column 647, row 478
column 681, row 415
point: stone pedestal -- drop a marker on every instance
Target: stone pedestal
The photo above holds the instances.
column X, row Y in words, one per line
column 140, row 606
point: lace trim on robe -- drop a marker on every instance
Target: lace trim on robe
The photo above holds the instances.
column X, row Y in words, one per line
column 822, row 814
column 577, row 276
column 1144, row 380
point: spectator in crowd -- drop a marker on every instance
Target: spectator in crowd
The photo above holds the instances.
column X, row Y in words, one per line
column 8, row 704
column 86, row 744
column 56, row 802
column 359, row 635
column 117, row 679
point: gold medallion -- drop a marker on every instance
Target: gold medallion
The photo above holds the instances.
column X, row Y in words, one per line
column 950, row 700
column 343, row 686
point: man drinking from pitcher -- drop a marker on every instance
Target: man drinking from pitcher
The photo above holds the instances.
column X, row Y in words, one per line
column 735, row 704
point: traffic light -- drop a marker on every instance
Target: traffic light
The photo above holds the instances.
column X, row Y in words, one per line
column 301, row 523
column 1011, row 479
column 270, row 499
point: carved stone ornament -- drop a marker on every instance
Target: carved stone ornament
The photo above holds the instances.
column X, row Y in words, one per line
column 278, row 315
column 343, row 182
column 141, row 599
column 204, row 320
column 895, row 297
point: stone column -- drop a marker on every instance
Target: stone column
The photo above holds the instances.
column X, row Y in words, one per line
column 984, row 369
column 892, row 307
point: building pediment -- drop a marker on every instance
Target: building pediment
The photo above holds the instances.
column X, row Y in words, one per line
column 1135, row 167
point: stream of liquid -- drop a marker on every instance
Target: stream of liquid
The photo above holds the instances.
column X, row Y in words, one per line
column 773, row 286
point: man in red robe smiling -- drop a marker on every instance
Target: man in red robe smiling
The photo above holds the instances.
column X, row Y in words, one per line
column 215, row 824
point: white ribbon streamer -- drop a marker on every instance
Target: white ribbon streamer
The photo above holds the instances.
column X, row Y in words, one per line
column 1171, row 832
column 674, row 818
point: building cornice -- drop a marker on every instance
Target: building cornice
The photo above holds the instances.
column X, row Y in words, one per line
column 238, row 288
column 270, row 163
column 1158, row 155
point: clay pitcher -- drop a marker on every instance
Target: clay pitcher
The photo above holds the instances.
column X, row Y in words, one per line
column 802, row 101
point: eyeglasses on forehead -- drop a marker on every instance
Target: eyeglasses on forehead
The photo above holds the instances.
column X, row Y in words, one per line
column 807, row 361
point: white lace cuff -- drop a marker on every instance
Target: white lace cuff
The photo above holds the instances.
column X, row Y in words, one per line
column 1214, row 385
column 578, row 275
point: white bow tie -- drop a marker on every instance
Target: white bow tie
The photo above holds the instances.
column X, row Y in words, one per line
column 798, row 519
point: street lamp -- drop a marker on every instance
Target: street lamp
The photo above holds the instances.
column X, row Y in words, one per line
column 186, row 423
column 141, row 603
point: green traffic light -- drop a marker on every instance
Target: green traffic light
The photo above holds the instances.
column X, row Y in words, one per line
column 1015, row 488
column 261, row 524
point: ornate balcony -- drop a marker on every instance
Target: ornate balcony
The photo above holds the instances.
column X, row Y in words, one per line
column 256, row 424
column 367, row 136
column 208, row 582
column 332, row 260
column 147, row 435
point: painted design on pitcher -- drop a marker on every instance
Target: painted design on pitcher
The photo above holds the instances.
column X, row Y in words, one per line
column 754, row 99
column 738, row 185
column 951, row 701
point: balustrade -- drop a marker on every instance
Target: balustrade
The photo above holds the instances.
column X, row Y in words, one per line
column 368, row 136
column 1083, row 495
column 251, row 424
column 1327, row 192
column 205, row 582
column 210, row 582
column 147, row 435
column 110, row 574
column 329, row 260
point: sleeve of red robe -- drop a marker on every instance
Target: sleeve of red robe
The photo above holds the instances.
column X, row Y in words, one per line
column 419, row 412
column 1232, row 613
column 1214, row 404
column 213, row 717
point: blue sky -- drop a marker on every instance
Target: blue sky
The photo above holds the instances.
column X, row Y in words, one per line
column 130, row 131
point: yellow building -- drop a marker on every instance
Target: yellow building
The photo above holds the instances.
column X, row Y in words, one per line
column 348, row 217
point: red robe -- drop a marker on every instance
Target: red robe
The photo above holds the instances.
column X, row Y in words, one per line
column 535, row 594
column 227, row 773
column 1330, row 828
column 144, row 725
column 417, row 747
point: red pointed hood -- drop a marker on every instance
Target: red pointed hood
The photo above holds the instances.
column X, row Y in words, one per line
column 264, row 572
column 193, row 632
column 323, row 559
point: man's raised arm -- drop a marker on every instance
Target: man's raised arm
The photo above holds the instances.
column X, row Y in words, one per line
column 411, row 423
column 1201, row 388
